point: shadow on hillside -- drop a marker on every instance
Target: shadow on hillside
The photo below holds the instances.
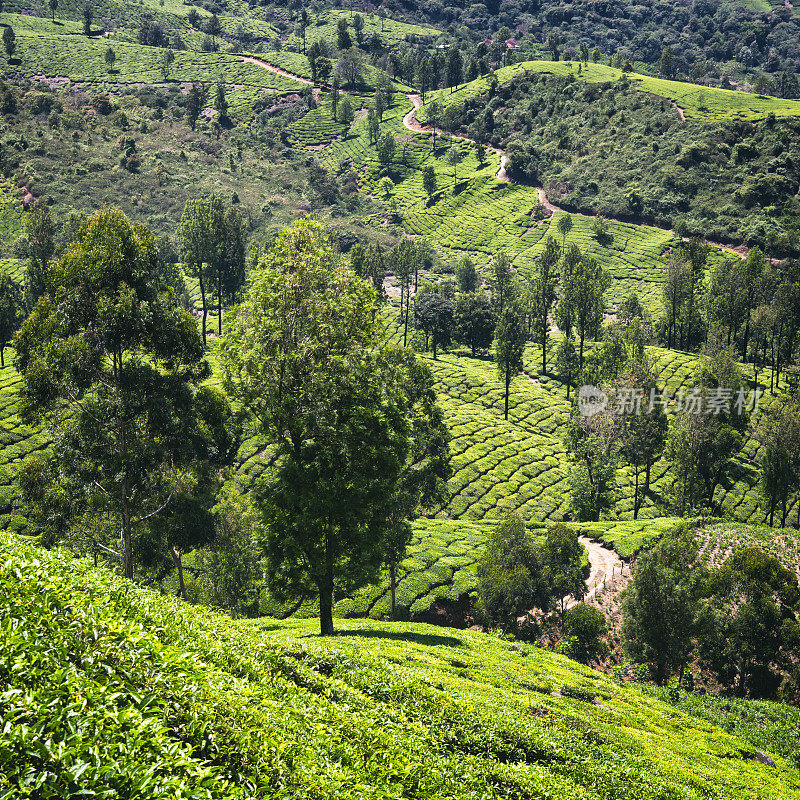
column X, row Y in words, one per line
column 427, row 639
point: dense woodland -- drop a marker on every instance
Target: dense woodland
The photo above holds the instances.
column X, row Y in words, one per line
column 348, row 321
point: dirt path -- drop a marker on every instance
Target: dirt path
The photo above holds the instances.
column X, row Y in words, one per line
column 272, row 68
column 259, row 62
column 603, row 563
column 411, row 122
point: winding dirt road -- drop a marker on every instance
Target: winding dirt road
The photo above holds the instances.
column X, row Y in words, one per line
column 411, row 122
column 603, row 564
column 272, row 68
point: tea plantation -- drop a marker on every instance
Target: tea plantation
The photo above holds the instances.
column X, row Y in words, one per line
column 696, row 102
column 112, row 688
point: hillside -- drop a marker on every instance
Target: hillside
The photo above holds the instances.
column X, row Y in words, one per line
column 114, row 688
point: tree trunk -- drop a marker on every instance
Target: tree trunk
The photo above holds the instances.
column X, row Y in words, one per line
column 219, row 301
column 569, row 386
column 742, row 673
column 405, row 328
column 326, row 592
column 203, row 301
column 393, row 586
column 177, row 559
column 2, row 356
column 325, row 610
column 125, row 514
column 636, row 502
column 508, row 384
column 746, row 335
column 544, row 348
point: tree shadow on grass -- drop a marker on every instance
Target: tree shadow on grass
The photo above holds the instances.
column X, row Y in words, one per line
column 427, row 639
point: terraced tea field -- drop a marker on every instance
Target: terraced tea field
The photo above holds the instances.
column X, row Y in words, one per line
column 721, row 539
column 66, row 58
column 482, row 215
column 627, row 537
column 696, row 102
column 367, row 712
column 16, row 442
column 11, row 215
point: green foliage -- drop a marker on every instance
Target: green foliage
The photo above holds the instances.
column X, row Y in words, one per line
column 433, row 314
column 174, row 701
column 115, row 378
column 11, row 315
column 474, row 320
column 306, row 356
column 230, row 565
column 661, row 607
column 751, row 634
column 511, row 581
column 708, row 172
column 562, row 566
column 584, row 629
column 510, row 336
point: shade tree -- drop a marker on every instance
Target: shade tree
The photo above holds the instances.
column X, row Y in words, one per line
column 115, row 369
column 307, row 356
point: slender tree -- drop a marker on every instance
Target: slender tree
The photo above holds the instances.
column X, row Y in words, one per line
column 40, row 228
column 9, row 41
column 454, row 158
column 510, row 337
column 543, row 295
column 429, row 181
column 200, row 233
column 455, row 67
column 567, row 362
column 194, row 105
column 303, row 26
column 582, row 293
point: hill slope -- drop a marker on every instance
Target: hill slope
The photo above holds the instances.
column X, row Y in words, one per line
column 113, row 689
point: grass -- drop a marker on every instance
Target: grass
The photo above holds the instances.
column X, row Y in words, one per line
column 58, row 56
column 175, row 701
column 696, row 102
